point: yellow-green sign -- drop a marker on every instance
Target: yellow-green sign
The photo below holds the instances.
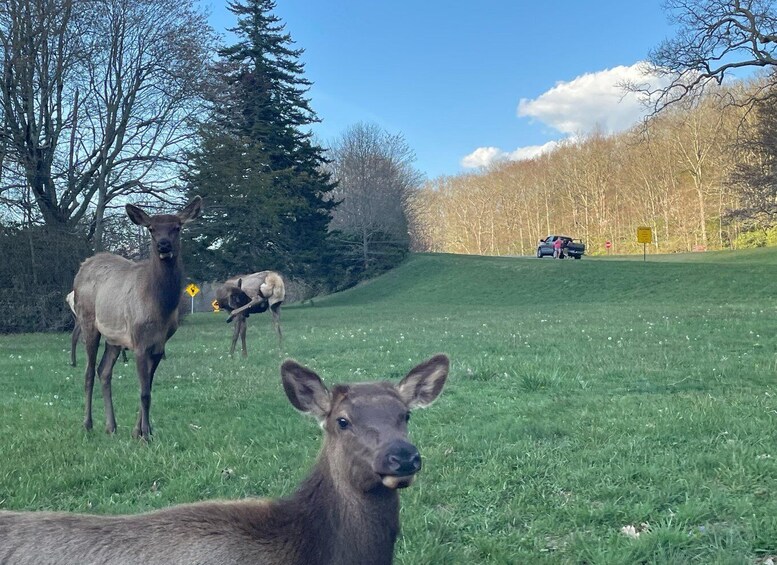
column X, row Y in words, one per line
column 644, row 234
column 215, row 305
column 192, row 290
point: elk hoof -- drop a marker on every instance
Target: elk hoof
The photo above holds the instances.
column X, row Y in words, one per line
column 138, row 434
column 88, row 424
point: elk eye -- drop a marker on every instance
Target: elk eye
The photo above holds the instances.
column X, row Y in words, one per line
column 343, row 423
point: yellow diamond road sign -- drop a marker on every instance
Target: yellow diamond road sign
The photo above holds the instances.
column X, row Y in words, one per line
column 644, row 234
column 192, row 290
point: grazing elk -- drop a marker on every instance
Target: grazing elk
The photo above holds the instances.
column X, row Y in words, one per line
column 70, row 299
column 134, row 306
column 345, row 513
column 252, row 294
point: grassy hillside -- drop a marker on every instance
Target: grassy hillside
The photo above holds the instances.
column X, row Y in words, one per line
column 584, row 397
column 496, row 281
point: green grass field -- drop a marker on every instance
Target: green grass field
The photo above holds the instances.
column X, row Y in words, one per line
column 584, row 397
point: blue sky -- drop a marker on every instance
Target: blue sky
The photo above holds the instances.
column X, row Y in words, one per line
column 468, row 82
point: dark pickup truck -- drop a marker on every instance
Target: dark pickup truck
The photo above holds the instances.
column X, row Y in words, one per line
column 569, row 247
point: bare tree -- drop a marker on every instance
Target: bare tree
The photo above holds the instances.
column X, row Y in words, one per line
column 754, row 177
column 375, row 175
column 714, row 38
column 97, row 101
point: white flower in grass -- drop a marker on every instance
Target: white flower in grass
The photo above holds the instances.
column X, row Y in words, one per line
column 634, row 533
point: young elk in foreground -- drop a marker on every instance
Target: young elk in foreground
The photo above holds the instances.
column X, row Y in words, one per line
column 252, row 294
column 345, row 513
column 132, row 305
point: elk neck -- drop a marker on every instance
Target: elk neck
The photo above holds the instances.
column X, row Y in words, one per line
column 348, row 525
column 166, row 281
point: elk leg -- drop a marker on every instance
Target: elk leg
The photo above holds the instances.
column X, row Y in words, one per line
column 243, row 325
column 92, row 342
column 105, row 371
column 147, row 364
column 237, row 311
column 275, row 309
column 143, row 362
column 235, row 335
column 124, row 356
column 74, row 343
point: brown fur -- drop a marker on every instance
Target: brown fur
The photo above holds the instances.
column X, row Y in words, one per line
column 133, row 306
column 76, row 333
column 342, row 514
column 252, row 294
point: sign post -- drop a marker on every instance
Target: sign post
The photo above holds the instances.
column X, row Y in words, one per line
column 192, row 291
column 644, row 236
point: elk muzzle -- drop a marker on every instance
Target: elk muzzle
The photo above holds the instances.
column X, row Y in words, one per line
column 397, row 464
column 165, row 249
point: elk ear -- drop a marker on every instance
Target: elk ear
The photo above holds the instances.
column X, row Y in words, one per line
column 423, row 384
column 192, row 210
column 138, row 216
column 305, row 390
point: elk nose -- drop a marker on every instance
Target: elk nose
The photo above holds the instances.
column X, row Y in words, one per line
column 401, row 458
column 164, row 246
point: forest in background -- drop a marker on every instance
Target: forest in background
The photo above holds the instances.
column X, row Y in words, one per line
column 701, row 174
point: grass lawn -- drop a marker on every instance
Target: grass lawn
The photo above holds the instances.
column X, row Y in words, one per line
column 584, row 397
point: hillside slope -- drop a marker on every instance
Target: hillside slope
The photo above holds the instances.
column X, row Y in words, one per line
column 427, row 279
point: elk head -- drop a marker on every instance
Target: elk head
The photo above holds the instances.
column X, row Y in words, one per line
column 366, row 444
column 165, row 229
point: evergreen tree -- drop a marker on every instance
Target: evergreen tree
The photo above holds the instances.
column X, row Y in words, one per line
column 256, row 165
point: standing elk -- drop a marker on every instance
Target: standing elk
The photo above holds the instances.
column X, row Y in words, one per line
column 252, row 294
column 134, row 306
column 345, row 513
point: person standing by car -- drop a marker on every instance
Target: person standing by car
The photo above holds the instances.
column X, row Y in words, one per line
column 557, row 248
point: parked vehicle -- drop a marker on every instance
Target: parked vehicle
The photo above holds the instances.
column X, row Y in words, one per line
column 569, row 247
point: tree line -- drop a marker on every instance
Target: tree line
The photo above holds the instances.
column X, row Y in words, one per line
column 701, row 174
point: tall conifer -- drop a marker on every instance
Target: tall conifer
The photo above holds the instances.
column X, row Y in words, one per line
column 256, row 164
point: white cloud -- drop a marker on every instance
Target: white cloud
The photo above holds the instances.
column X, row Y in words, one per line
column 484, row 156
column 531, row 151
column 481, row 157
column 591, row 102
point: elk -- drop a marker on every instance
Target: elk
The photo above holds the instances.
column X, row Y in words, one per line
column 252, row 294
column 346, row 512
column 134, row 306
